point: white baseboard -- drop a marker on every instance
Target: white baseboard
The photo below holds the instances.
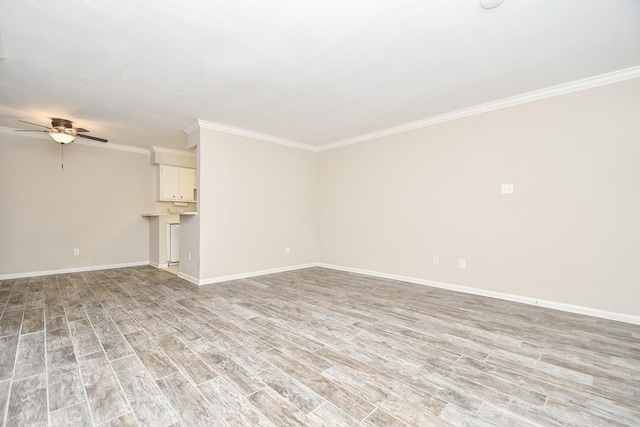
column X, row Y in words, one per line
column 156, row 265
column 603, row 314
column 620, row 317
column 212, row 280
column 188, row 278
column 71, row 270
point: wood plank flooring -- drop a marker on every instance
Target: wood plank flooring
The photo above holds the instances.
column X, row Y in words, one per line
column 315, row 347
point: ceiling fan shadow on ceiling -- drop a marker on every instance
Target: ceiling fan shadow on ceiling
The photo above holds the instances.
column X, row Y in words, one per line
column 62, row 132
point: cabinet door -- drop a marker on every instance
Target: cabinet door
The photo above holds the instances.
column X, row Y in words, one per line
column 187, row 181
column 169, row 187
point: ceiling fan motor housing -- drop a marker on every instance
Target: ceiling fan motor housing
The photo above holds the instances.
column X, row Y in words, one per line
column 61, row 123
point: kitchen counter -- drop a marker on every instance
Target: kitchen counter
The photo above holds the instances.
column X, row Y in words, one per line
column 169, row 213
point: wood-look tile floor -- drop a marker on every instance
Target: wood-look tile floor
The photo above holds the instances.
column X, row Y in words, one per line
column 139, row 346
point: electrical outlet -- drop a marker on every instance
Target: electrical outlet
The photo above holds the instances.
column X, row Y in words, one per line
column 462, row 263
column 76, row 251
column 506, row 188
column 287, row 251
column 436, row 260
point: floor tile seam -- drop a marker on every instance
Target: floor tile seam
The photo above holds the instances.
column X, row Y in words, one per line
column 561, row 389
column 11, row 383
column 497, row 390
column 84, row 388
column 46, row 371
column 559, row 393
column 626, row 391
column 442, row 382
column 590, row 412
column 410, row 341
column 550, row 377
column 597, row 410
column 153, row 377
column 417, row 390
column 347, row 390
column 515, row 415
column 539, row 410
column 119, row 332
column 624, row 372
column 214, row 407
column 182, row 370
column 327, row 402
column 354, row 389
column 375, row 369
column 196, row 389
column 117, row 378
column 108, row 422
column 244, row 401
column 298, row 383
column 375, row 408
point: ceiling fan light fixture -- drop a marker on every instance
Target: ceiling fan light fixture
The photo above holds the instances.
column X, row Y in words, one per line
column 61, row 136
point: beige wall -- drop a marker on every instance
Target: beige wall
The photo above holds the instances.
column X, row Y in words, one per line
column 569, row 234
column 94, row 204
column 254, row 200
column 190, row 225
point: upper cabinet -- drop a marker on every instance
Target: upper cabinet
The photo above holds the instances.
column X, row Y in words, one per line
column 176, row 184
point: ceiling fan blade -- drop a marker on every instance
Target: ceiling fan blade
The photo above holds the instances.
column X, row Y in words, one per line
column 91, row 137
column 35, row 124
column 81, row 130
column 30, row 130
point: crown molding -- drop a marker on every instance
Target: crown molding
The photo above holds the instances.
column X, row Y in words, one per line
column 112, row 146
column 202, row 124
column 78, row 141
column 171, row 151
column 575, row 86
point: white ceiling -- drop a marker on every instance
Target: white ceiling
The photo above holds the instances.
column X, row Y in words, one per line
column 311, row 71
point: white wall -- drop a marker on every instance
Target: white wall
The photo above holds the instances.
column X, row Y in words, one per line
column 569, row 234
column 94, row 204
column 254, row 200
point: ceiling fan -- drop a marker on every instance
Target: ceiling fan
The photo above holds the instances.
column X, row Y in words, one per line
column 62, row 131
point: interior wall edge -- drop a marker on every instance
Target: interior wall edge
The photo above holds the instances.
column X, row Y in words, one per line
column 569, row 308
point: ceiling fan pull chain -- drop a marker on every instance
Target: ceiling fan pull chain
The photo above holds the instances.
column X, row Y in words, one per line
column 62, row 156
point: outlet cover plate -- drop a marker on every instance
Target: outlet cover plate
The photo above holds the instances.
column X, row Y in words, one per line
column 506, row 188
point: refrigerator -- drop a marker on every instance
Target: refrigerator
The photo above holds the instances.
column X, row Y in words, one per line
column 173, row 243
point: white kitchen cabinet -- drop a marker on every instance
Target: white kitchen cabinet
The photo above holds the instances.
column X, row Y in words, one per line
column 176, row 184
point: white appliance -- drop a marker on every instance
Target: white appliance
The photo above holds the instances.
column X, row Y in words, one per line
column 173, row 244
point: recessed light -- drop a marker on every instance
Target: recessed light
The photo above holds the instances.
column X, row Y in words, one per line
column 490, row 4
